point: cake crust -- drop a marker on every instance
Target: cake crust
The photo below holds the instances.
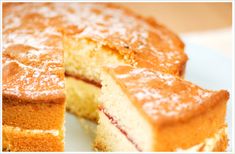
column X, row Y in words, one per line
column 44, row 116
column 16, row 139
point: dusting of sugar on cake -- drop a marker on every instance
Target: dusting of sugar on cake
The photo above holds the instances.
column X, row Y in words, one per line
column 33, row 35
column 159, row 94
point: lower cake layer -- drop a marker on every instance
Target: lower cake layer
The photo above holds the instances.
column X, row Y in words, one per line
column 29, row 140
column 29, row 115
column 111, row 138
column 32, row 126
column 82, row 98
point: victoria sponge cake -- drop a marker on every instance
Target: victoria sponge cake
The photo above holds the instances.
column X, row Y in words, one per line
column 145, row 110
column 59, row 55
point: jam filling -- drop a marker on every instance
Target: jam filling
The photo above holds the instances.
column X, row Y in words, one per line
column 115, row 123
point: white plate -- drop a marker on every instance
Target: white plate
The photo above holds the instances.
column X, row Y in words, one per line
column 205, row 68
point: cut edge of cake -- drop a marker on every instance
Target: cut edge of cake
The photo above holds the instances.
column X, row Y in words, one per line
column 110, row 138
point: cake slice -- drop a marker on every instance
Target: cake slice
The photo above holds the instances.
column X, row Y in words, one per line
column 146, row 110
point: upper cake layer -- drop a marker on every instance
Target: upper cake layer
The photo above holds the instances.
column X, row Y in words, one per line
column 164, row 98
column 33, row 49
column 32, row 56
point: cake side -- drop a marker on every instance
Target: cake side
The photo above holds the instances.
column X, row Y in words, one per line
column 217, row 143
column 29, row 126
column 16, row 139
column 33, row 115
column 115, row 140
column 193, row 131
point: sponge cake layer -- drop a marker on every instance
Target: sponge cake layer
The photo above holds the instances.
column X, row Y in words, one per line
column 85, row 58
column 82, row 98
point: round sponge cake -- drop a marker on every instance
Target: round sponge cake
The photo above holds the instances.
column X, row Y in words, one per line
column 44, row 41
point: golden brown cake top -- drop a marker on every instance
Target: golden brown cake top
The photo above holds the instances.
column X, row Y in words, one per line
column 162, row 97
column 32, row 56
column 33, row 49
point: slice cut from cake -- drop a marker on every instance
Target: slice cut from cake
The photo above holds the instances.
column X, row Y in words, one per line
column 155, row 111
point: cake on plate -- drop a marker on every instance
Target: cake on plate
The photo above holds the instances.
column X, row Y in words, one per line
column 53, row 50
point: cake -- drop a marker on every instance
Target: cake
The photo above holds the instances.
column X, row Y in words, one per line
column 53, row 50
column 146, row 110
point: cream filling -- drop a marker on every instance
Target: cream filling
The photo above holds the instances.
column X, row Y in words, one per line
column 53, row 132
